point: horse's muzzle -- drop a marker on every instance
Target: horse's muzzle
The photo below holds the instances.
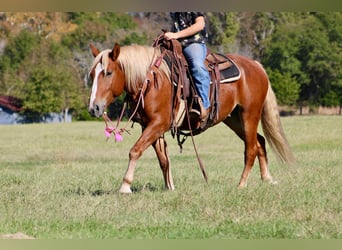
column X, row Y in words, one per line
column 97, row 110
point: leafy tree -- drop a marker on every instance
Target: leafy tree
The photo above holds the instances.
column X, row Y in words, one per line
column 51, row 87
column 256, row 28
column 134, row 38
column 42, row 96
column 94, row 26
column 65, row 79
column 223, row 28
column 321, row 60
column 328, row 68
column 17, row 50
column 41, row 73
column 285, row 87
column 332, row 98
column 303, row 48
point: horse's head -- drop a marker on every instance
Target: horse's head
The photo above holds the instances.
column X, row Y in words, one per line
column 107, row 77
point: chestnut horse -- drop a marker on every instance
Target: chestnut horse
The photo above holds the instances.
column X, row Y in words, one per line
column 243, row 104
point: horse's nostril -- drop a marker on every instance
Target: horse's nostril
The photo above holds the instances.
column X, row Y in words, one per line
column 97, row 107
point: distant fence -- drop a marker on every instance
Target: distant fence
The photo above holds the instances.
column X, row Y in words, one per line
column 306, row 110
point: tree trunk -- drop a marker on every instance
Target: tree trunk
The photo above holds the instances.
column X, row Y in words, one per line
column 66, row 110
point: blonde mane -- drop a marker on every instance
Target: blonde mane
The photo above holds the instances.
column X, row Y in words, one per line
column 102, row 58
column 135, row 61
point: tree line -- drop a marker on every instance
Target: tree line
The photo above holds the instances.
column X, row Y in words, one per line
column 45, row 58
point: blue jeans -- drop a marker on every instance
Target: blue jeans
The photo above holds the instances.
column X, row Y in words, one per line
column 195, row 54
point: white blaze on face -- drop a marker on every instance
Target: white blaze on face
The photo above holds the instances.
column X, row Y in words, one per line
column 98, row 70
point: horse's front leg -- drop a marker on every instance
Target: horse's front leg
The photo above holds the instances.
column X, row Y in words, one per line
column 149, row 135
column 128, row 178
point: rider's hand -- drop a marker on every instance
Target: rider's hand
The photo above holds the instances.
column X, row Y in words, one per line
column 170, row 35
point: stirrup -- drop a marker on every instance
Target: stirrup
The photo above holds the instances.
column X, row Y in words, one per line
column 195, row 111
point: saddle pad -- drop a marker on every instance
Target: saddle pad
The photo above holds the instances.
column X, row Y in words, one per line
column 230, row 74
column 229, row 71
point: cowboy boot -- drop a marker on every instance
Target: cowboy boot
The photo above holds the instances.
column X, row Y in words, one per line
column 204, row 112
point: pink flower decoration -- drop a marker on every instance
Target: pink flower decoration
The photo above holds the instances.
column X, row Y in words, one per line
column 118, row 137
column 108, row 131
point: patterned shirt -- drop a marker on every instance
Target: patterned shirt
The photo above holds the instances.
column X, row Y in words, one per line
column 182, row 20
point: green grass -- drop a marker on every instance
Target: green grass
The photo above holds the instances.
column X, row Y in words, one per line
column 60, row 181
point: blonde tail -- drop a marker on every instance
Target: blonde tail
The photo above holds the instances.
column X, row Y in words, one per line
column 273, row 130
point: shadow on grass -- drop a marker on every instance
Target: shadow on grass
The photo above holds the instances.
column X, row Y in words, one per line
column 82, row 192
column 138, row 188
column 147, row 187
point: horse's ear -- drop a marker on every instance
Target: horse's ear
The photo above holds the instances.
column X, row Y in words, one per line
column 115, row 52
column 94, row 50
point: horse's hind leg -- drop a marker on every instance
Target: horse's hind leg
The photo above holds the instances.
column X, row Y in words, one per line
column 160, row 146
column 236, row 124
column 263, row 162
column 250, row 139
column 246, row 129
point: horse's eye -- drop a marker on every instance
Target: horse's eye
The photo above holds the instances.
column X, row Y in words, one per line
column 109, row 74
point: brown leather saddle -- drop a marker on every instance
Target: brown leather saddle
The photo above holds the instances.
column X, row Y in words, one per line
column 222, row 71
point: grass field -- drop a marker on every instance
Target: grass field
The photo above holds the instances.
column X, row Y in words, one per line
column 60, row 181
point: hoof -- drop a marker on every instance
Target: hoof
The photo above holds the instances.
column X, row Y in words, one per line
column 242, row 185
column 125, row 189
column 270, row 181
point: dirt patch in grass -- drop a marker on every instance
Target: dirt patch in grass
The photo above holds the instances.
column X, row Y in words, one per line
column 16, row 236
